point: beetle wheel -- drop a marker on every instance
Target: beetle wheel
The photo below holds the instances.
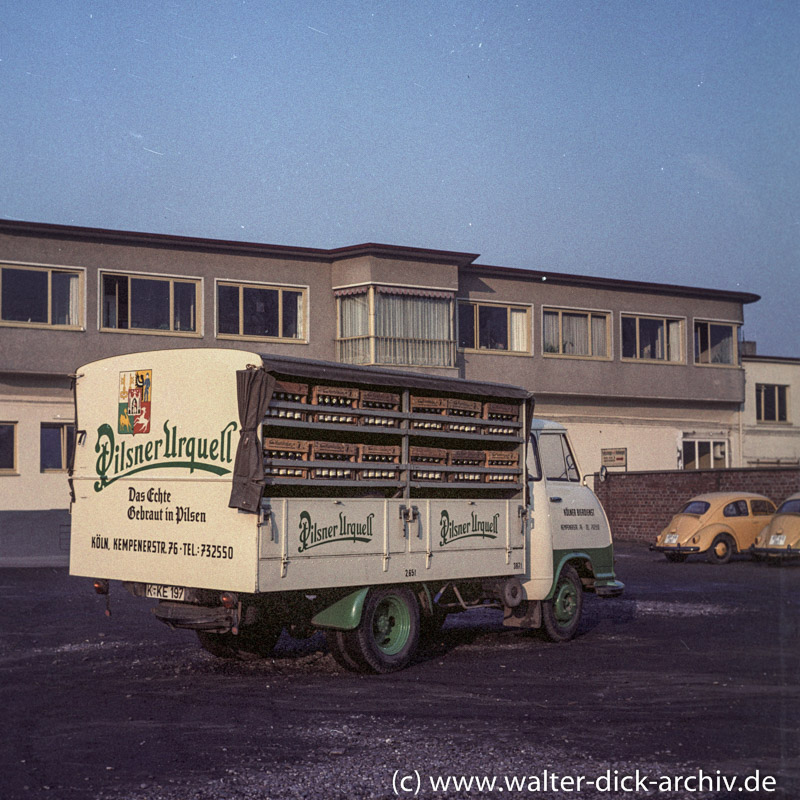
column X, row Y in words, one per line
column 721, row 550
column 561, row 614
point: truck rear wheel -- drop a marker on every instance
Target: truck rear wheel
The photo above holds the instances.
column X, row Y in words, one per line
column 561, row 614
column 386, row 639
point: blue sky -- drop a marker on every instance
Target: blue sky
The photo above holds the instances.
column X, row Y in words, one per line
column 641, row 140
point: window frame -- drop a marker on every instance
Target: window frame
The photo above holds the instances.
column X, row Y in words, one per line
column 241, row 285
column 734, row 326
column 759, row 403
column 712, row 442
column 14, row 468
column 367, row 343
column 665, row 318
column 197, row 333
column 66, row 429
column 526, row 308
column 589, row 313
column 49, row 269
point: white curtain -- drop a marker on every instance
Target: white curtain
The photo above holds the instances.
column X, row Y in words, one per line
column 575, row 333
column 599, row 336
column 551, row 338
column 519, row 330
column 674, row 329
column 354, row 329
column 413, row 330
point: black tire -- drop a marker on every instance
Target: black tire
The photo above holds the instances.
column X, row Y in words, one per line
column 387, row 637
column 676, row 558
column 561, row 614
column 340, row 647
column 721, row 550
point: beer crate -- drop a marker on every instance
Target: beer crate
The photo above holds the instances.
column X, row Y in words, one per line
column 374, row 458
column 286, row 450
column 431, row 406
column 335, row 452
column 424, row 463
column 337, row 399
column 502, row 459
column 466, row 409
column 379, row 401
column 288, row 392
column 466, row 459
column 502, row 418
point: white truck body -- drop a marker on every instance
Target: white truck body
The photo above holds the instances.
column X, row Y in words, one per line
column 356, row 498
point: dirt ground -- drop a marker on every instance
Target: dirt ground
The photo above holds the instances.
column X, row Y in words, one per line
column 692, row 674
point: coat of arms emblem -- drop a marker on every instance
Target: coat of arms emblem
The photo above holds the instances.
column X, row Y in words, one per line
column 135, row 399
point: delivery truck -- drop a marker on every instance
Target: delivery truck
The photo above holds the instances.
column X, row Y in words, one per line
column 251, row 494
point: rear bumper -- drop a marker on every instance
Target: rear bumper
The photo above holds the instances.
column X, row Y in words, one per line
column 674, row 548
column 775, row 552
column 198, row 618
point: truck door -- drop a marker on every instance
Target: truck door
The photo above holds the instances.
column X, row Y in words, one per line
column 576, row 518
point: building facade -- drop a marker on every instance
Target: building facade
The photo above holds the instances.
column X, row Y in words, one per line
column 647, row 376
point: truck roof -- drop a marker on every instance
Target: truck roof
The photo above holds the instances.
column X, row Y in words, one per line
column 283, row 366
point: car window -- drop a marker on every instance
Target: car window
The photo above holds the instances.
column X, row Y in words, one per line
column 698, row 507
column 557, row 460
column 762, row 508
column 790, row 507
column 738, row 508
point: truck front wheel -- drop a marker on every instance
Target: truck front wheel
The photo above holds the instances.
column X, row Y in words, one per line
column 386, row 639
column 561, row 614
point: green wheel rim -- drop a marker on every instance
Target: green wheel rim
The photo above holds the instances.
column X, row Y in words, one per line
column 391, row 625
column 566, row 603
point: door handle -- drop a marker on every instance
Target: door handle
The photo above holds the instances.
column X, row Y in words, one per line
column 555, row 499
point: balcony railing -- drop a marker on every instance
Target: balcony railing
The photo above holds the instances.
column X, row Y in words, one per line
column 396, row 351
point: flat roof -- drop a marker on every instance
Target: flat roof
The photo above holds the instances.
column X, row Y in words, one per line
column 464, row 261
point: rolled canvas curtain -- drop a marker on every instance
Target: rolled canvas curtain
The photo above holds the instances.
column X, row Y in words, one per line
column 254, row 388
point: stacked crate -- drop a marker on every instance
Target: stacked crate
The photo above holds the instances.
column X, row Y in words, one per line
column 340, row 454
column 468, row 410
column 434, row 406
column 379, row 402
column 288, row 392
column 377, row 457
column 426, row 463
column 466, row 459
column 503, row 419
column 502, row 459
column 338, row 399
column 286, row 450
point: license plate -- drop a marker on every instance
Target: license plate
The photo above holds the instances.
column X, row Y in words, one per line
column 777, row 538
column 671, row 538
column 159, row 592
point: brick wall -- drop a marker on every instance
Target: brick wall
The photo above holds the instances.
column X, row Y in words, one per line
column 640, row 504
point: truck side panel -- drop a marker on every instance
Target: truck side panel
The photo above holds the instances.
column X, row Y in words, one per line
column 327, row 542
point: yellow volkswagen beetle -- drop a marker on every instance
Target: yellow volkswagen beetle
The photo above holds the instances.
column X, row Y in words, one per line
column 718, row 524
column 781, row 538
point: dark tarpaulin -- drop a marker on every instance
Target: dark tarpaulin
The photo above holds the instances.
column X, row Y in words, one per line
column 254, row 388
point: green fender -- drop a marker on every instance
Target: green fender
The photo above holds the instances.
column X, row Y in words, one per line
column 344, row 614
column 601, row 559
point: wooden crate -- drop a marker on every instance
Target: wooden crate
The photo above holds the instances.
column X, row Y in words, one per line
column 379, row 401
column 286, row 450
column 431, row 458
column 466, row 459
column 502, row 417
column 290, row 392
column 430, row 406
column 342, row 396
column 505, row 460
column 377, row 456
column 335, row 452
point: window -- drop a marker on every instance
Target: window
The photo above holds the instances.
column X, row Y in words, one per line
column 698, row 507
column 254, row 311
column 575, row 333
column 393, row 325
column 56, row 446
column 736, row 509
column 714, row 343
column 8, row 447
column 40, row 296
column 652, row 338
column 484, row 326
column 705, row 454
column 762, row 508
column 557, row 459
column 134, row 303
column 771, row 402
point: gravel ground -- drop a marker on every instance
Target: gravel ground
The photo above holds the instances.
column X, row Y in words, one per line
column 694, row 669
